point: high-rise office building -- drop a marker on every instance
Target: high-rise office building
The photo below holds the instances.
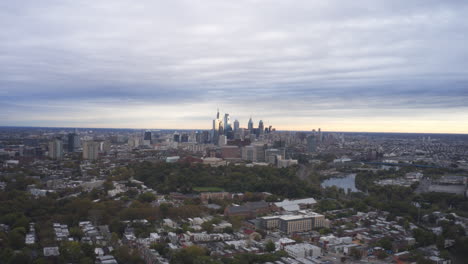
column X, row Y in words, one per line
column 217, row 127
column 239, row 134
column 147, row 135
column 236, row 125
column 134, row 141
column 147, row 138
column 73, row 142
column 205, row 137
column 221, row 128
column 260, row 152
column 232, row 131
column 261, row 128
column 227, row 123
column 312, row 143
column 250, row 125
column 91, row 150
column 104, row 146
column 56, row 149
column 198, row 137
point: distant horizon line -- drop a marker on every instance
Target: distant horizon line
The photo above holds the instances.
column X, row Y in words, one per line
column 194, row 129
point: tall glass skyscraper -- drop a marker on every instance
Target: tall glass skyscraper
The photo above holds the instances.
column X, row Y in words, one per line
column 250, row 125
column 73, row 142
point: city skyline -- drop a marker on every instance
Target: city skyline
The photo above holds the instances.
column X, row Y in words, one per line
column 365, row 66
column 207, row 129
column 244, row 124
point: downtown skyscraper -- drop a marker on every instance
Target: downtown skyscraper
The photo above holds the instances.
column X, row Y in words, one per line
column 225, row 130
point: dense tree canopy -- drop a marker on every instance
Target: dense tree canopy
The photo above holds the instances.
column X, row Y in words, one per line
column 167, row 177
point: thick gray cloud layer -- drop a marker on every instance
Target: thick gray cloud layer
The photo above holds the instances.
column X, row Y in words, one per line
column 343, row 65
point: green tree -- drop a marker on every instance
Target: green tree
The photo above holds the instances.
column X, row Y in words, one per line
column 76, row 232
column 125, row 255
column 161, row 248
column 88, row 250
column 324, row 231
column 20, row 258
column 16, row 239
column 236, row 222
column 147, row 197
column 6, row 253
column 355, row 253
column 385, row 243
column 424, row 238
column 444, row 254
column 228, row 230
column 71, row 251
column 207, row 226
column 382, row 254
column 188, row 255
column 41, row 260
column 86, row 260
column 423, row 260
column 206, row 260
column 270, row 246
column 164, row 208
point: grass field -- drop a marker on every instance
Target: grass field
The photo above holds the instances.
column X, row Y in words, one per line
column 208, row 189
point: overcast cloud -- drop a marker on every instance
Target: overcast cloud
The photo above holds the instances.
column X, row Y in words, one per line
column 340, row 65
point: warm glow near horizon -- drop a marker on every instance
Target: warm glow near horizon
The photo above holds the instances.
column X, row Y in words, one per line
column 342, row 126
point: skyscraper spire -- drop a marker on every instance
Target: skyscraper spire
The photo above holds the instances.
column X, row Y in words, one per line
column 217, row 114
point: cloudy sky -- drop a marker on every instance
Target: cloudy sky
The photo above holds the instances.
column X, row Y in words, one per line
column 298, row 65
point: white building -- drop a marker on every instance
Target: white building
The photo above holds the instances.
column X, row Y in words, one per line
column 284, row 241
column 199, row 237
column 38, row 192
column 296, row 205
column 30, row 239
column 284, row 163
column 154, row 237
column 51, row 251
column 169, row 223
column 196, row 221
column 172, row 159
column 303, row 250
column 214, row 162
